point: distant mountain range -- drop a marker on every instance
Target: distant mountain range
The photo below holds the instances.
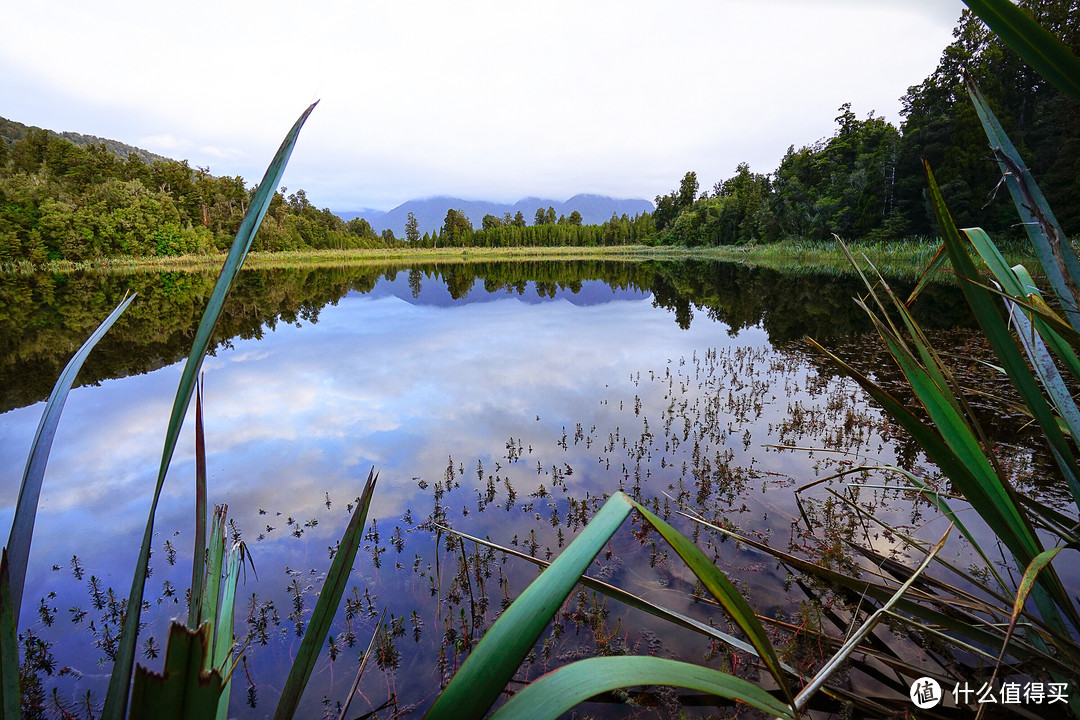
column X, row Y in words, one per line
column 430, row 212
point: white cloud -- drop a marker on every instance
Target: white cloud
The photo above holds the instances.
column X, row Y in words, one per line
column 485, row 99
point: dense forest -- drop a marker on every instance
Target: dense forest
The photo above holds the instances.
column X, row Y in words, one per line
column 60, row 199
column 867, row 180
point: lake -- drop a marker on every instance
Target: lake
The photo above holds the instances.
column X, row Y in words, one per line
column 503, row 399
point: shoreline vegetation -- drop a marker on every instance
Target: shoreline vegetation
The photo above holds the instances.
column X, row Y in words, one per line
column 905, row 258
column 911, row 641
column 67, row 206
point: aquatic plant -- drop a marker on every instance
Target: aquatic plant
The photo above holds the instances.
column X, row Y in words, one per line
column 990, row 621
column 199, row 658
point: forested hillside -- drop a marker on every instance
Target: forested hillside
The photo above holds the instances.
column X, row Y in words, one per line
column 11, row 132
column 867, row 180
column 62, row 200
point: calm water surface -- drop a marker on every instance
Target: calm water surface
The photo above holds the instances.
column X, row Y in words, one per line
column 505, row 400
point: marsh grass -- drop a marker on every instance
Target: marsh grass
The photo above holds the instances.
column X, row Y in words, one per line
column 902, row 258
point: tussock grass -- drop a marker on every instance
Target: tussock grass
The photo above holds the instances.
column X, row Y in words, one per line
column 901, row 258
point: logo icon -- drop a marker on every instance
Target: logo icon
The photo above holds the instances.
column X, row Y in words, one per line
column 925, row 693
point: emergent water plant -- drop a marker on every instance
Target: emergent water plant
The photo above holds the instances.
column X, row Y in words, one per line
column 199, row 658
column 990, row 621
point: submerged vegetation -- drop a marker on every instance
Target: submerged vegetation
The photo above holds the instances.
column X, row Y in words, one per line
column 903, row 610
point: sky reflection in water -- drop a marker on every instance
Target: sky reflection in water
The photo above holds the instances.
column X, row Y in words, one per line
column 408, row 386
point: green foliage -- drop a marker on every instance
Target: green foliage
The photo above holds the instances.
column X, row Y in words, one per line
column 199, row 662
column 22, row 526
column 185, row 688
column 1032, row 358
column 456, row 228
column 942, row 127
column 117, row 699
column 866, row 181
column 59, row 200
column 490, row 666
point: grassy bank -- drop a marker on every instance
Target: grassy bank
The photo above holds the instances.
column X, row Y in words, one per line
column 906, row 258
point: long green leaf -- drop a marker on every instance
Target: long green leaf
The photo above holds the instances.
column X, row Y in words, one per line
column 936, row 449
column 22, row 527
column 557, row 692
column 215, row 567
column 628, row 598
column 1019, row 288
column 10, row 695
column 223, row 635
column 1047, row 238
column 184, row 690
column 1049, row 323
column 1024, row 545
column 329, row 599
column 1046, row 370
column 721, row 588
column 120, row 680
column 960, row 625
column 990, row 493
column 482, row 677
column 198, row 557
column 1047, row 55
column 1027, row 584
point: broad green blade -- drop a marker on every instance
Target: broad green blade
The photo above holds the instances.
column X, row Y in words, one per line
column 10, row 695
column 557, row 692
column 958, row 436
column 721, row 588
column 934, row 447
column 1049, row 323
column 630, row 599
column 1046, row 369
column 215, row 567
column 1047, row 55
column 22, row 527
column 117, row 696
column 482, row 677
column 198, row 561
column 1018, row 286
column 1027, row 582
column 1024, row 544
column 329, row 598
column 223, row 636
column 184, row 690
column 939, row 259
column 1049, row 241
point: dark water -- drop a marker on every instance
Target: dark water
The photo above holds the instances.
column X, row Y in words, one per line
column 506, row 400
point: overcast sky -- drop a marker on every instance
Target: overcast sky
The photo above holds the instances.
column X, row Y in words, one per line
column 492, row 100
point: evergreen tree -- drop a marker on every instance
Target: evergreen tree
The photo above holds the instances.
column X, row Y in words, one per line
column 412, row 229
